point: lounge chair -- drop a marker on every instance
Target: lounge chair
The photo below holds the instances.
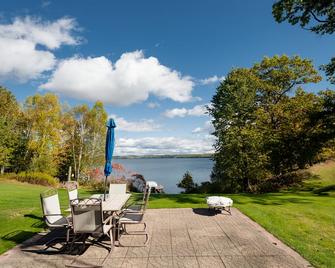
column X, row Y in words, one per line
column 88, row 220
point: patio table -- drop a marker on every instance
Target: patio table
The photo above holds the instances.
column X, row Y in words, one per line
column 113, row 202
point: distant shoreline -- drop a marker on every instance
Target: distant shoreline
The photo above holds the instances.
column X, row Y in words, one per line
column 164, row 156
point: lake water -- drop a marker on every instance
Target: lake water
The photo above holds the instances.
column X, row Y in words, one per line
column 169, row 171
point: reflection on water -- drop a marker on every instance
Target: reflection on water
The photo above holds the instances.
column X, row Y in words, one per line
column 169, row 171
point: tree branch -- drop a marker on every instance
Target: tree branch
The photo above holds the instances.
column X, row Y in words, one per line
column 316, row 18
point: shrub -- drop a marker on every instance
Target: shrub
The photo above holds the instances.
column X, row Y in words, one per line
column 35, row 178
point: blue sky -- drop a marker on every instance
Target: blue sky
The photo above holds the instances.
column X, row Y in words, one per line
column 143, row 59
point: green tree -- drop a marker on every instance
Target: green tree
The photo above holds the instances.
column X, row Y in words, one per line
column 277, row 77
column 187, row 183
column 316, row 16
column 239, row 158
column 9, row 113
column 263, row 128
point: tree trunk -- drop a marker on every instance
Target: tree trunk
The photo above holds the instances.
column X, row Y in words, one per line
column 69, row 174
column 2, row 170
column 246, row 185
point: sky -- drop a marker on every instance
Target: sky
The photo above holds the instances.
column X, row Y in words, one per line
column 154, row 64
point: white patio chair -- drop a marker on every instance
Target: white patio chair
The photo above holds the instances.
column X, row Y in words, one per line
column 72, row 191
column 52, row 213
column 117, row 188
column 141, row 206
column 88, row 220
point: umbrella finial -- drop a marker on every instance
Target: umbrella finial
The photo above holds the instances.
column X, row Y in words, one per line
column 111, row 123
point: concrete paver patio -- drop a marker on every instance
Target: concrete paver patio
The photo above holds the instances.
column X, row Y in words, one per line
column 178, row 238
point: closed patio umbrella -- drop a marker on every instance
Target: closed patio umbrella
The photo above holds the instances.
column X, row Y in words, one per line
column 109, row 148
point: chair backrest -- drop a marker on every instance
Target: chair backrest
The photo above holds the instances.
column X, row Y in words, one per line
column 87, row 215
column 146, row 197
column 73, row 194
column 117, row 188
column 50, row 205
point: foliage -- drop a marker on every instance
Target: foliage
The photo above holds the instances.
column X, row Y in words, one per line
column 43, row 136
column 42, row 132
column 263, row 130
column 84, row 131
column 187, row 183
column 34, row 178
column 316, row 16
column 9, row 113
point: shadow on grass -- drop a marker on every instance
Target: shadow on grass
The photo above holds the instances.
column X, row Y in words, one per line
column 39, row 224
column 17, row 236
column 260, row 199
column 277, row 199
column 324, row 190
column 180, row 198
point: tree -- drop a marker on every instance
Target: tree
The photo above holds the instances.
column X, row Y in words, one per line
column 9, row 113
column 187, row 183
column 97, row 118
column 84, row 130
column 263, row 128
column 277, row 78
column 315, row 16
column 239, row 159
column 42, row 132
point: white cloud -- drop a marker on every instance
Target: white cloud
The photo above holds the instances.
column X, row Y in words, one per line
column 130, row 80
column 164, row 145
column 206, row 128
column 46, row 33
column 20, row 57
column 153, row 105
column 211, row 80
column 198, row 110
column 21, row 60
column 143, row 125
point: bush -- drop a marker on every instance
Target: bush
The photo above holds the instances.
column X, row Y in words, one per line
column 35, row 178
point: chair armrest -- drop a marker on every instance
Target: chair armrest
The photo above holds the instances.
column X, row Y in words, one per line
column 109, row 218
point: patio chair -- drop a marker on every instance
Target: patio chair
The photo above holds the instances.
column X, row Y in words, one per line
column 72, row 191
column 117, row 188
column 141, row 206
column 52, row 213
column 131, row 219
column 88, row 220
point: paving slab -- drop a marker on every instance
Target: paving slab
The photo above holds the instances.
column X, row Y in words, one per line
column 178, row 238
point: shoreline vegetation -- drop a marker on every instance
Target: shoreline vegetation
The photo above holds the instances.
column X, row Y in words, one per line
column 164, row 156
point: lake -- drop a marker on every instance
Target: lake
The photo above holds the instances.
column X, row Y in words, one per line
column 169, row 171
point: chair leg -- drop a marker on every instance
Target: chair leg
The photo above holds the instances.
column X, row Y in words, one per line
column 72, row 264
column 133, row 233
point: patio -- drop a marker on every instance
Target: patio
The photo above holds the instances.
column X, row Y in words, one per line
column 178, row 238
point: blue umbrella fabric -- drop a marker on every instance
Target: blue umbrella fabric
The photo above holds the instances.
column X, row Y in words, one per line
column 109, row 149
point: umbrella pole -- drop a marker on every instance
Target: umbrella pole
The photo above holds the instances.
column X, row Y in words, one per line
column 105, row 189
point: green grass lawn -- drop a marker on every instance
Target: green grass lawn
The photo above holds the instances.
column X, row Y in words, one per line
column 304, row 219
